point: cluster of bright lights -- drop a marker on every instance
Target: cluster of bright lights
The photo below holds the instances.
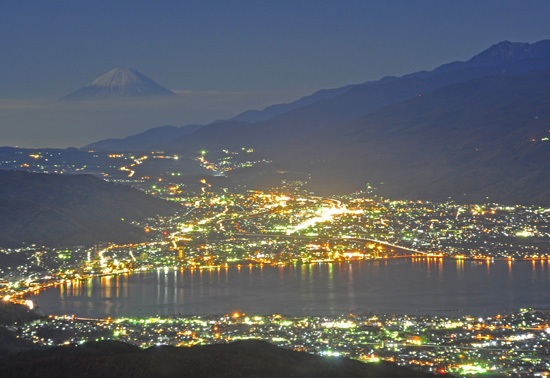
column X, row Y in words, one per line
column 324, row 215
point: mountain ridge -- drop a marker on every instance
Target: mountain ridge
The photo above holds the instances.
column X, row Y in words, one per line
column 466, row 130
column 472, row 140
column 366, row 96
column 355, row 102
column 152, row 138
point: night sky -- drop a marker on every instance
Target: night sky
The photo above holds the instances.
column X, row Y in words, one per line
column 224, row 57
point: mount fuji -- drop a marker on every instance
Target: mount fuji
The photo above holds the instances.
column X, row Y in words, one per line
column 120, row 82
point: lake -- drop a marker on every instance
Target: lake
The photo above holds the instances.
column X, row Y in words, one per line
column 413, row 286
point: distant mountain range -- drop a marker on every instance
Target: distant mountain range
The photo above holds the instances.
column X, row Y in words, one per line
column 360, row 100
column 49, row 209
column 153, row 138
column 467, row 130
column 120, row 82
column 478, row 141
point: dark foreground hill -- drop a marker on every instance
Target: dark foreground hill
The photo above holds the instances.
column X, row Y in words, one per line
column 249, row 358
column 48, row 209
column 13, row 312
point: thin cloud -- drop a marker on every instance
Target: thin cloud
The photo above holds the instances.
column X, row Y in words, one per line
column 50, row 123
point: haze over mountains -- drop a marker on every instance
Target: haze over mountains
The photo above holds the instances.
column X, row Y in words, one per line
column 119, row 82
column 463, row 130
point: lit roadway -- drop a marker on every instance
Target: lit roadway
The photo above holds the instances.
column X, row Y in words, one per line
column 307, row 237
column 335, row 204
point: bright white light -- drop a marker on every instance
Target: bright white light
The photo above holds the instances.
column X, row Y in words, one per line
column 325, row 215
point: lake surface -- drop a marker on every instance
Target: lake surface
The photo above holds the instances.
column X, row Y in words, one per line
column 412, row 286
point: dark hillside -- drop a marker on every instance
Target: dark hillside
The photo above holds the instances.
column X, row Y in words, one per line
column 49, row 209
column 240, row 359
column 483, row 138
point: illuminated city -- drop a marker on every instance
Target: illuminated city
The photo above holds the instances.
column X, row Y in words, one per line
column 275, row 189
column 511, row 345
column 287, row 226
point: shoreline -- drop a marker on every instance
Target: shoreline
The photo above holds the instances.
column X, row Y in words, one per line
column 36, row 291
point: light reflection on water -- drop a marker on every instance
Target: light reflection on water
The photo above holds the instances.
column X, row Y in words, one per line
column 415, row 286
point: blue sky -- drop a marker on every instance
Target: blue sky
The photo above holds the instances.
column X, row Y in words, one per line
column 230, row 56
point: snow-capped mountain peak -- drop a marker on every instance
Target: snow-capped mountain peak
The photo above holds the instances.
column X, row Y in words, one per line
column 120, row 82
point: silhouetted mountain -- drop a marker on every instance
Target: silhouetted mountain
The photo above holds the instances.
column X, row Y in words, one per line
column 503, row 56
column 462, row 130
column 506, row 51
column 150, row 139
column 485, row 138
column 327, row 108
column 120, row 82
column 251, row 358
column 274, row 110
column 360, row 100
column 47, row 209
